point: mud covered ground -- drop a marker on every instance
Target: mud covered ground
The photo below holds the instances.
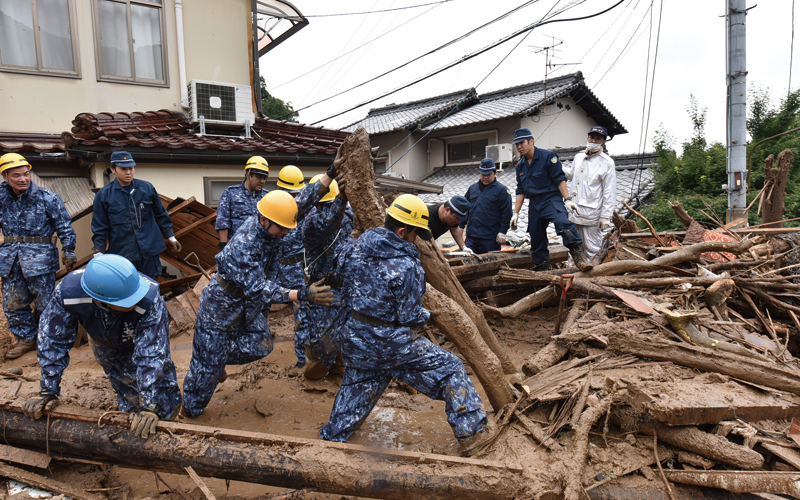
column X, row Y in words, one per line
column 270, row 396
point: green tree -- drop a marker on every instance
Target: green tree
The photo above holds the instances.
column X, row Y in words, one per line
column 276, row 108
column 766, row 120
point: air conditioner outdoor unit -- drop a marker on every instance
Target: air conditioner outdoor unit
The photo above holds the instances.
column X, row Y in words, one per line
column 395, row 174
column 500, row 153
column 216, row 102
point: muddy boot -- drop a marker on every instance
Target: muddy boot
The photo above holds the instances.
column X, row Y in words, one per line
column 480, row 439
column 21, row 348
column 580, row 260
column 338, row 366
column 314, row 369
column 542, row 266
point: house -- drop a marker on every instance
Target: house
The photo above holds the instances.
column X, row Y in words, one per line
column 457, row 128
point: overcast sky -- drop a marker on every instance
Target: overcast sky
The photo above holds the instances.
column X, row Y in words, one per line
column 691, row 56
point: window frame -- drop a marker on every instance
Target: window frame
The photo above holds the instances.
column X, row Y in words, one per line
column 452, row 143
column 98, row 45
column 208, row 189
column 40, row 69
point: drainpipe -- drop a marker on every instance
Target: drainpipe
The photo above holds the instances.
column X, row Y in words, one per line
column 256, row 69
column 181, row 54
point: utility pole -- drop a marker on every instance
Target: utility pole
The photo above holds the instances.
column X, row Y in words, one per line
column 736, row 110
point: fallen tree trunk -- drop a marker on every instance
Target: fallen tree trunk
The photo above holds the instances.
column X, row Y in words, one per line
column 776, row 178
column 253, row 457
column 777, row 483
column 717, row 448
column 553, row 352
column 521, row 306
column 573, row 487
column 711, row 360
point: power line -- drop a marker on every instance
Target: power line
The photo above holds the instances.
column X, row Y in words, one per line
column 623, row 52
column 621, row 29
column 467, row 58
column 378, row 11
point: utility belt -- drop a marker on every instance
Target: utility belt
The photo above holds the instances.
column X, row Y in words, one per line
column 230, row 287
column 372, row 320
column 26, row 239
column 288, row 261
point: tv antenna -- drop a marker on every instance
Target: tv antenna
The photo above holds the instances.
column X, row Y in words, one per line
column 549, row 52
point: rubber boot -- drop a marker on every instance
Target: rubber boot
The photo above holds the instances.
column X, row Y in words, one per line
column 580, row 260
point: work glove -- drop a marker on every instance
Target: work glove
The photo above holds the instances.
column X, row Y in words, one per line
column 514, row 219
column 501, row 238
column 143, row 423
column 571, row 206
column 35, row 406
column 221, row 245
column 68, row 259
column 342, row 194
column 317, row 293
column 174, row 244
column 467, row 250
column 331, row 172
column 605, row 223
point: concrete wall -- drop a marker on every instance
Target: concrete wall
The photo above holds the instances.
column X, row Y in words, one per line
column 216, row 40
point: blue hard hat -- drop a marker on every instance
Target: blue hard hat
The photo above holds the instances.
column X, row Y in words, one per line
column 521, row 134
column 460, row 206
column 122, row 159
column 112, row 279
column 487, row 166
column 599, row 129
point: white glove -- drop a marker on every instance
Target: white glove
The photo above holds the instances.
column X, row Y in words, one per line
column 174, row 244
column 571, row 206
column 514, row 220
column 605, row 223
column 467, row 250
column 501, row 238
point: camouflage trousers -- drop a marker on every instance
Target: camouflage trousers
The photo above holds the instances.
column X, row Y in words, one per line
column 325, row 325
column 300, row 332
column 18, row 293
column 228, row 331
column 122, row 371
column 433, row 371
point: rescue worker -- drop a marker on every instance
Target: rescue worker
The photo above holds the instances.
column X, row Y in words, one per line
column 238, row 202
column 326, row 229
column 230, row 327
column 291, row 180
column 129, row 219
column 489, row 211
column 383, row 284
column 447, row 216
column 593, row 185
column 541, row 179
column 127, row 320
column 29, row 215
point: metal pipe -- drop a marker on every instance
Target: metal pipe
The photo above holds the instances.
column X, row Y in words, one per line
column 181, row 54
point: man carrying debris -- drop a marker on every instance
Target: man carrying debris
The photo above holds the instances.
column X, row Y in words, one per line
column 230, row 327
column 593, row 185
column 383, row 284
column 541, row 179
column 129, row 219
column 447, row 216
column 127, row 320
column 29, row 215
column 326, row 230
column 238, row 202
column 489, row 211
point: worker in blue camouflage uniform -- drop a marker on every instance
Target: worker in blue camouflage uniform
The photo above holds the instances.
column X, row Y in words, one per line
column 129, row 219
column 127, row 320
column 326, row 229
column 541, row 179
column 29, row 215
column 489, row 211
column 383, row 284
column 230, row 327
column 238, row 202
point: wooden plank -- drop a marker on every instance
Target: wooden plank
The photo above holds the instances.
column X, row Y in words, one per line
column 44, row 483
column 199, row 482
column 180, row 206
column 188, row 306
column 193, row 298
column 194, row 224
column 178, row 314
column 25, row 457
column 202, row 283
column 788, row 455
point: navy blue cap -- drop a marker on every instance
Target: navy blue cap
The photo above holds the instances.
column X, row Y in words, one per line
column 522, row 134
column 122, row 159
column 599, row 129
column 487, row 166
column 460, row 206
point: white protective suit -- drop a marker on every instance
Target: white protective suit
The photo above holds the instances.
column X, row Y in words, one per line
column 593, row 185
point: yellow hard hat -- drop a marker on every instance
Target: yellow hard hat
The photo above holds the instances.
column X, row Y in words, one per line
column 291, row 178
column 280, row 208
column 257, row 163
column 409, row 209
column 13, row 160
column 334, row 189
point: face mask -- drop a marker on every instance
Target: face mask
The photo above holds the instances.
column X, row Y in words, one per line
column 593, row 148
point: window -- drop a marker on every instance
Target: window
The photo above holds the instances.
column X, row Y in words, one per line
column 466, row 151
column 214, row 186
column 36, row 36
column 129, row 35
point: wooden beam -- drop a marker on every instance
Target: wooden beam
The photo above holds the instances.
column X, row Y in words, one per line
column 25, row 457
column 199, row 482
column 180, row 206
column 45, row 483
column 743, row 231
column 193, row 225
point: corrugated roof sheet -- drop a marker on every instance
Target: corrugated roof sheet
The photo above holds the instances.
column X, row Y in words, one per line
column 635, row 181
column 76, row 192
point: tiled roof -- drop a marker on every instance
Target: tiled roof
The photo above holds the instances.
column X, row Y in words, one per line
column 635, row 181
column 39, row 143
column 411, row 114
column 170, row 129
column 76, row 192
